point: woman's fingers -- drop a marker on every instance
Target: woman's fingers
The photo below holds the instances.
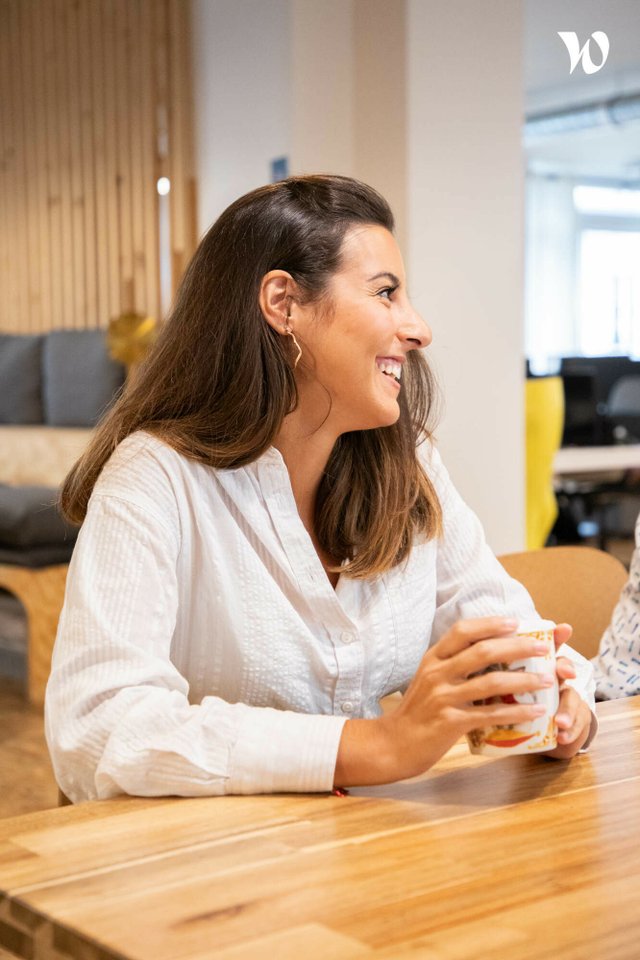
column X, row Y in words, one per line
column 573, row 720
column 465, row 633
column 565, row 669
column 481, row 642
column 484, row 653
column 453, row 692
column 502, row 714
column 567, row 715
column 562, row 634
column 504, row 683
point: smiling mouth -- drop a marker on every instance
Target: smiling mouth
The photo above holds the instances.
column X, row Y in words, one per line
column 389, row 368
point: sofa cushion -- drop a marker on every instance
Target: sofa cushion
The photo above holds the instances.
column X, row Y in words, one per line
column 20, row 363
column 45, row 556
column 79, row 378
column 29, row 518
column 38, row 455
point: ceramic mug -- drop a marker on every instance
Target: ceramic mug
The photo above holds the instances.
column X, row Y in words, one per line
column 540, row 733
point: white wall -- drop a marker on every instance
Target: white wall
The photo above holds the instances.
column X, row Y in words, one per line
column 242, row 97
column 380, row 102
column 349, row 93
column 465, row 263
column 320, row 82
column 322, row 86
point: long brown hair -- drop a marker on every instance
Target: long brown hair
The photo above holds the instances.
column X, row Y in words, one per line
column 219, row 381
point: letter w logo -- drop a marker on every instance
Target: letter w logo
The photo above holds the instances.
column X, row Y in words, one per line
column 570, row 40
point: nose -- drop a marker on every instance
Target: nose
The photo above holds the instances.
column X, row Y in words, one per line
column 415, row 331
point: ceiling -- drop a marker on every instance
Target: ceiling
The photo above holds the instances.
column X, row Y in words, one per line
column 608, row 151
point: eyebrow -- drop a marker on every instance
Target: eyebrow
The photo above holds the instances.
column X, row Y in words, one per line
column 386, row 273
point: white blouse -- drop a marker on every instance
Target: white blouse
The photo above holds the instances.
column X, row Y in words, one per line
column 201, row 648
column 617, row 665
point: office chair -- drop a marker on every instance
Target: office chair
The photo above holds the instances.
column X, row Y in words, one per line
column 623, row 407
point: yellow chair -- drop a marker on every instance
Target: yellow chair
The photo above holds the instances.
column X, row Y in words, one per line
column 544, row 409
column 576, row 585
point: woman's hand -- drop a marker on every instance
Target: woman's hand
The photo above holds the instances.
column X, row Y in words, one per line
column 438, row 706
column 573, row 718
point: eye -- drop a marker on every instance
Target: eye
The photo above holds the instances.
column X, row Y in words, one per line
column 386, row 292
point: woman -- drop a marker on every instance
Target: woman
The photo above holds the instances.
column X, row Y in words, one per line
column 271, row 542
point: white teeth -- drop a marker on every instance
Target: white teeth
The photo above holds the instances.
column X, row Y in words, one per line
column 390, row 367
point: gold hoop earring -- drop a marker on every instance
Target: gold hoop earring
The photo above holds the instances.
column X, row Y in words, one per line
column 289, row 332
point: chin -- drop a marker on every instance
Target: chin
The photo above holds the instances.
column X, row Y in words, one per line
column 392, row 418
column 373, row 415
column 384, row 417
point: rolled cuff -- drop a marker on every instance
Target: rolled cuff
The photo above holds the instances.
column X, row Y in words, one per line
column 280, row 751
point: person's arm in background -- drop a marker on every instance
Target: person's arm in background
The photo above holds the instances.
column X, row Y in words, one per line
column 473, row 583
column 617, row 664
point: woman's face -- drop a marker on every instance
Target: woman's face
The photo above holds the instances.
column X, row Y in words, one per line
column 358, row 352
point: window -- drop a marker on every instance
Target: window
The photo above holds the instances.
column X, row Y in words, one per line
column 609, row 292
column 606, row 200
column 582, row 271
column 608, row 270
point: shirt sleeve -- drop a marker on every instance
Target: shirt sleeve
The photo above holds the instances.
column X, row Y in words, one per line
column 117, row 712
column 617, row 664
column 471, row 581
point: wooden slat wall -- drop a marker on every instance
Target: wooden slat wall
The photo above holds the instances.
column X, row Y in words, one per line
column 95, row 105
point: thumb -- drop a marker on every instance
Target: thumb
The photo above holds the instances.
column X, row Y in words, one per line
column 562, row 634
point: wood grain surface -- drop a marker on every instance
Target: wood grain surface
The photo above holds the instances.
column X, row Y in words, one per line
column 96, row 98
column 526, row 857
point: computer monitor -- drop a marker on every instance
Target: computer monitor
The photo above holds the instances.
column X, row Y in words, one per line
column 588, row 382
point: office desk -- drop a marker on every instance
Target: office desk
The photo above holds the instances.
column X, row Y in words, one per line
column 596, row 459
column 520, row 858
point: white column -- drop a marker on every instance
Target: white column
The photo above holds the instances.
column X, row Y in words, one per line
column 465, row 252
column 380, row 102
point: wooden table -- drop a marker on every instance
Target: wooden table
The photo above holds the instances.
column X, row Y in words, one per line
column 520, row 858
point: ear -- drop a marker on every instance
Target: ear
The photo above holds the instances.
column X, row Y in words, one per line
column 276, row 298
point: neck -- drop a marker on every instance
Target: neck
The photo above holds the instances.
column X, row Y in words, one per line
column 305, row 449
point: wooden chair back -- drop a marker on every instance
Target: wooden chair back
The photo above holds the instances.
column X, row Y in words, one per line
column 40, row 590
column 576, row 585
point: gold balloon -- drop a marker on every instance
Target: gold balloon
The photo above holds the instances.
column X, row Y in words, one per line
column 129, row 337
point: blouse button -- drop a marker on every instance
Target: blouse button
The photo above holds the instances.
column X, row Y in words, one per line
column 347, row 637
column 347, row 707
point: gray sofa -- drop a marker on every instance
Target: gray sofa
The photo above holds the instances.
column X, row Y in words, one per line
column 54, row 383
